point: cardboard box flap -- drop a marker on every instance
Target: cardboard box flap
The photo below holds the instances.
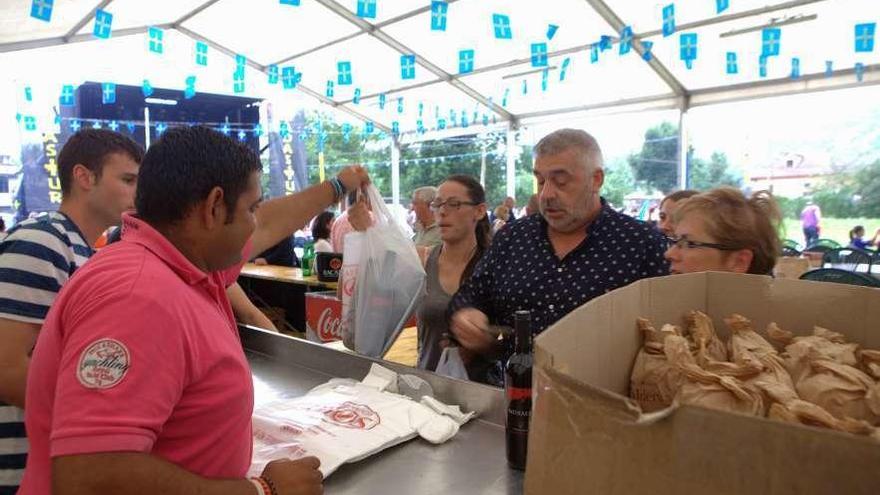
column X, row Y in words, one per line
column 588, row 350
column 585, row 346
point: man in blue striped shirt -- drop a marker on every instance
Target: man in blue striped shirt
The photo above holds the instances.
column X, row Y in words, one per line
column 98, row 173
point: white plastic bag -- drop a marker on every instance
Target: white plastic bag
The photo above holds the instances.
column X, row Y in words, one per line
column 351, row 258
column 389, row 286
column 345, row 421
column 451, row 365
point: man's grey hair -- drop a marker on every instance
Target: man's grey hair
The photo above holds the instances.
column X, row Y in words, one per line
column 565, row 139
column 425, row 193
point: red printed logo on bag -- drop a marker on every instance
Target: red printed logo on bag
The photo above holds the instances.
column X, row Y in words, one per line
column 103, row 364
column 352, row 415
column 336, row 264
column 348, row 282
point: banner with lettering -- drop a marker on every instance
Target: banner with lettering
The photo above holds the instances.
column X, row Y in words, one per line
column 40, row 188
column 287, row 158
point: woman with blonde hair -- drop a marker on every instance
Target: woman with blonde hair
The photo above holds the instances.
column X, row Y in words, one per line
column 723, row 230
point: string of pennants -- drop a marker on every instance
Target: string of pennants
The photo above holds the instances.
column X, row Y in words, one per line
column 245, row 131
column 417, row 161
column 29, row 123
column 503, row 29
column 242, row 131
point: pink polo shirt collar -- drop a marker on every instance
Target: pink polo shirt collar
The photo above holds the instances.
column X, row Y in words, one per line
column 140, row 232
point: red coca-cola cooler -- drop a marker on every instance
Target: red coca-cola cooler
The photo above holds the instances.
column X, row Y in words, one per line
column 323, row 317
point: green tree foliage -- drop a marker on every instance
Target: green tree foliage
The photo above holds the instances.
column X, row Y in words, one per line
column 703, row 175
column 619, row 181
column 866, row 188
column 424, row 163
column 342, row 149
column 428, row 163
column 525, row 179
column 656, row 165
column 791, row 207
column 849, row 194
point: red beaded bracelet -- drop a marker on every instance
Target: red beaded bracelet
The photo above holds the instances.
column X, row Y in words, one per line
column 263, row 485
column 270, row 484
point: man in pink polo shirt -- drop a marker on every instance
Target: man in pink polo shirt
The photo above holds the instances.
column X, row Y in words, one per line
column 139, row 383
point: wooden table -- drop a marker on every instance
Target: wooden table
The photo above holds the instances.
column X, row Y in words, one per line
column 284, row 274
column 282, row 287
column 405, row 349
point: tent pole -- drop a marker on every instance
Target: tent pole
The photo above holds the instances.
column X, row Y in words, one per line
column 395, row 171
column 511, row 160
column 146, row 127
column 683, row 145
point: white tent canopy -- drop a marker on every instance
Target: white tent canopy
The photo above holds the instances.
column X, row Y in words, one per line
column 504, row 89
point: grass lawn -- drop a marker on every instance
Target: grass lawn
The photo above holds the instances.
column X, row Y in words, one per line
column 832, row 228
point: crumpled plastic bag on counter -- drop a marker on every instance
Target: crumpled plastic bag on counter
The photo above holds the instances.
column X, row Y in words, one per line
column 451, row 365
column 345, row 421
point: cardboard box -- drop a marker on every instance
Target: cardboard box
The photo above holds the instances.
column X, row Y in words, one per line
column 791, row 267
column 587, row 436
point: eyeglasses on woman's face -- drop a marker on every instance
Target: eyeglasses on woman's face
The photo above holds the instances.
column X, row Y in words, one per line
column 685, row 243
column 450, row 204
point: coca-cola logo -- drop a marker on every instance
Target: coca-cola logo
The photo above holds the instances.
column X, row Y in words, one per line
column 329, row 326
column 352, row 415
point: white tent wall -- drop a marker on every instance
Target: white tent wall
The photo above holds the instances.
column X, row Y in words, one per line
column 316, row 35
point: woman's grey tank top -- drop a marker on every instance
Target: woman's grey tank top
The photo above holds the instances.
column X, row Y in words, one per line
column 432, row 323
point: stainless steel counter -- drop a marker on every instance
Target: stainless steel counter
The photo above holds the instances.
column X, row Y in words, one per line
column 473, row 462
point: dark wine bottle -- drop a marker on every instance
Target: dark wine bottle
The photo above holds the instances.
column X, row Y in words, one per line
column 518, row 389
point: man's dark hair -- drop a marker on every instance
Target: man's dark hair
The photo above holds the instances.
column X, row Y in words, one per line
column 184, row 165
column 90, row 147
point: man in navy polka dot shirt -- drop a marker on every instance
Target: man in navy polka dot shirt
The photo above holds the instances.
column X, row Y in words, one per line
column 578, row 248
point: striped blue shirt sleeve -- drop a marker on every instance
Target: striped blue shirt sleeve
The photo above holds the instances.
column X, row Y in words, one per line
column 34, row 265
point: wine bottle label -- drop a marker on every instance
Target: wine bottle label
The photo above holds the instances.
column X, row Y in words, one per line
column 519, row 393
column 518, row 418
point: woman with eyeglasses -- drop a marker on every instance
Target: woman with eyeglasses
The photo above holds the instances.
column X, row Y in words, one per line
column 722, row 230
column 460, row 212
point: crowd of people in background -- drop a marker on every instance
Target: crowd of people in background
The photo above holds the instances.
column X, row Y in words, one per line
column 563, row 248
